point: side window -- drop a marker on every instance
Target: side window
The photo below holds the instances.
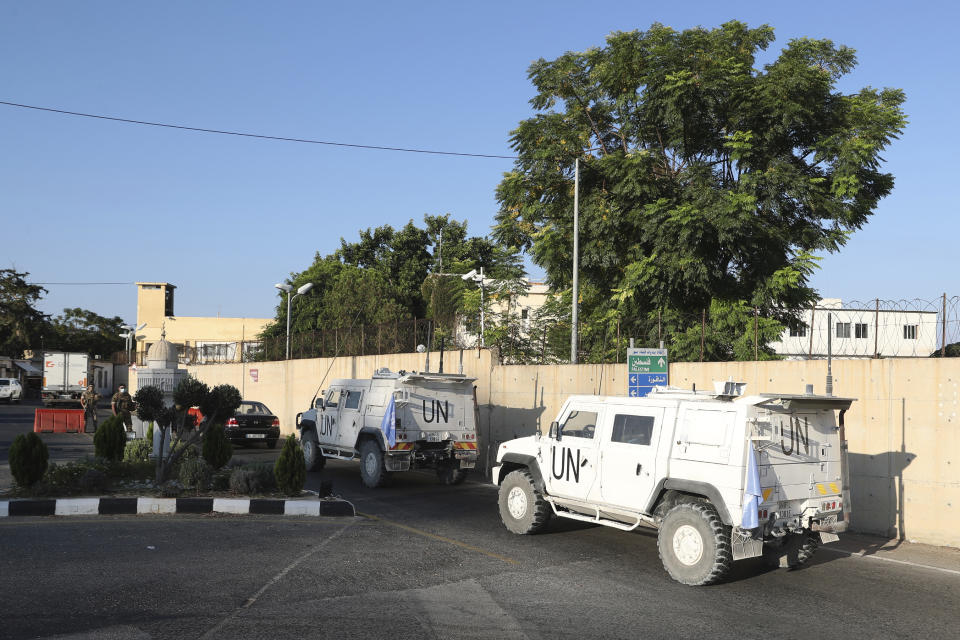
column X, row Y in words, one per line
column 580, row 424
column 632, row 429
column 352, row 400
column 333, row 398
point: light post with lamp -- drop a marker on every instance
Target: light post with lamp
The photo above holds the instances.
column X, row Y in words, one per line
column 473, row 276
column 130, row 336
column 288, row 288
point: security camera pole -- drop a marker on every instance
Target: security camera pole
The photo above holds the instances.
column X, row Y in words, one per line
column 288, row 288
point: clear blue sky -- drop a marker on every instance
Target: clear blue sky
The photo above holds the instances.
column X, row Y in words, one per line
column 224, row 218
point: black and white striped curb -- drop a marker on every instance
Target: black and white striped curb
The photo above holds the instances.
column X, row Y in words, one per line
column 135, row 506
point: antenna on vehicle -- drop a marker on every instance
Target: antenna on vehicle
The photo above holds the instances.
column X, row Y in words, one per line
column 335, row 355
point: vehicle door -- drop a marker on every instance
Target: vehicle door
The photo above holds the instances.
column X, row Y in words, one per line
column 629, row 455
column 328, row 420
column 351, row 419
column 571, row 462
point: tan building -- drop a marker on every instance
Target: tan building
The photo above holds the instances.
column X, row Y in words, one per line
column 199, row 339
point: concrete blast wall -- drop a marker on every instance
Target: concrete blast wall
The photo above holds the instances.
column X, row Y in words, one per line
column 903, row 429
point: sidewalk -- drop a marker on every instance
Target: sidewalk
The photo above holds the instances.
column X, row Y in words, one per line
column 875, row 548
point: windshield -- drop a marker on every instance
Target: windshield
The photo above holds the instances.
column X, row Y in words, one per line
column 253, row 409
column 4, row 383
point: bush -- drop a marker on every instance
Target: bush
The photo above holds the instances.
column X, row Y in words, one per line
column 150, row 433
column 110, row 440
column 192, row 453
column 291, row 470
column 28, row 459
column 138, row 451
column 195, row 474
column 93, row 480
column 217, row 449
column 252, row 480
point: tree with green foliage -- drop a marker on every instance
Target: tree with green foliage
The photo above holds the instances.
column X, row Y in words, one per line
column 216, row 405
column 84, row 331
column 28, row 459
column 393, row 274
column 706, row 182
column 217, row 449
column 21, row 324
column 290, row 468
column 110, row 440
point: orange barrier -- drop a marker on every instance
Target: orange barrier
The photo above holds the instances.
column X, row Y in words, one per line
column 58, row 421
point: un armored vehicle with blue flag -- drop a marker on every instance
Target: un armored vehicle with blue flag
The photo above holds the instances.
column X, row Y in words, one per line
column 394, row 421
column 722, row 476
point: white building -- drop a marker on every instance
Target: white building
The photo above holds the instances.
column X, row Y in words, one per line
column 860, row 333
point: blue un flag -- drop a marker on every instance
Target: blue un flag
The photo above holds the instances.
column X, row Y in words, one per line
column 751, row 492
column 389, row 424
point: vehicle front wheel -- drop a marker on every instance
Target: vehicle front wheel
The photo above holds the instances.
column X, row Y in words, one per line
column 522, row 507
column 694, row 544
column 372, row 471
column 312, row 457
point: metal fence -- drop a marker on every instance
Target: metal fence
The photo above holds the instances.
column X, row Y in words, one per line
column 857, row 329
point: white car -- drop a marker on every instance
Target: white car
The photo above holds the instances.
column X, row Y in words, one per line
column 10, row 390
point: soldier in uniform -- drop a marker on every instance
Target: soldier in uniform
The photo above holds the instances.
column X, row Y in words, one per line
column 88, row 400
column 122, row 405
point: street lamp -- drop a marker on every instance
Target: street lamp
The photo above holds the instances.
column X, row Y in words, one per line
column 473, row 276
column 130, row 336
column 288, row 288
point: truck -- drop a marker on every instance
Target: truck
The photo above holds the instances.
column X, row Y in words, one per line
column 392, row 422
column 65, row 377
column 721, row 475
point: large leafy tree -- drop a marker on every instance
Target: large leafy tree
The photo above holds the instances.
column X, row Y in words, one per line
column 21, row 324
column 394, row 274
column 85, row 331
column 706, row 182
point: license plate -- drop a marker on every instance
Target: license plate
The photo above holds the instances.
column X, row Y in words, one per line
column 433, row 437
column 256, row 435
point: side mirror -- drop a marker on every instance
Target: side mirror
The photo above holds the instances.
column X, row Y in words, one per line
column 555, row 430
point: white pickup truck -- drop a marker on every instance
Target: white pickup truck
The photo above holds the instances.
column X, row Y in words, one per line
column 722, row 476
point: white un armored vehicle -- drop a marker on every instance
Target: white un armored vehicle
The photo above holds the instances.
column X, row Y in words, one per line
column 723, row 476
column 434, row 425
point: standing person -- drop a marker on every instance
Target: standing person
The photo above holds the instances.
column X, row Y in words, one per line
column 122, row 405
column 88, row 400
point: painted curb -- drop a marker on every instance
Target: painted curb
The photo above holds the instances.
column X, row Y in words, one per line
column 136, row 506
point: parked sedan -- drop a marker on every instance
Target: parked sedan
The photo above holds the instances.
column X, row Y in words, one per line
column 253, row 422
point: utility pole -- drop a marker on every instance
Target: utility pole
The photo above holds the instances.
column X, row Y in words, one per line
column 576, row 259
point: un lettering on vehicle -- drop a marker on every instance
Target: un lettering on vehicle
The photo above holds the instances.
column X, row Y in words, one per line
column 568, row 466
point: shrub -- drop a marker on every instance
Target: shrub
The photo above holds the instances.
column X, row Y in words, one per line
column 138, row 451
column 290, row 469
column 192, row 453
column 110, row 440
column 93, row 480
column 195, row 473
column 217, row 449
column 252, row 479
column 150, row 433
column 28, row 459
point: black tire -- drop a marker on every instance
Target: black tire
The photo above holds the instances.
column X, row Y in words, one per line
column 271, row 443
column 450, row 476
column 522, row 507
column 694, row 544
column 791, row 553
column 804, row 551
column 373, row 473
column 312, row 456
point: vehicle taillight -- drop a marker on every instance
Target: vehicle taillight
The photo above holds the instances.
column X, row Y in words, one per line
column 231, row 422
column 275, row 423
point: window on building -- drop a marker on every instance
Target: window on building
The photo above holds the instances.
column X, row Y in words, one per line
column 799, row 331
column 523, row 314
column 909, row 332
column 843, row 329
column 632, row 429
column 860, row 330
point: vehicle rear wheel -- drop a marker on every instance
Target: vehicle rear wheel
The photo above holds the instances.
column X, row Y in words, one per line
column 372, row 470
column 312, row 456
column 791, row 553
column 694, row 544
column 451, row 475
column 522, row 507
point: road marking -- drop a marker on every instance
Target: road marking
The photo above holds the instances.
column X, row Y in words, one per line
column 252, row 599
column 861, row 554
column 433, row 536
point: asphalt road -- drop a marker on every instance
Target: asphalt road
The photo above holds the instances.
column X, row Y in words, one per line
column 426, row 561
